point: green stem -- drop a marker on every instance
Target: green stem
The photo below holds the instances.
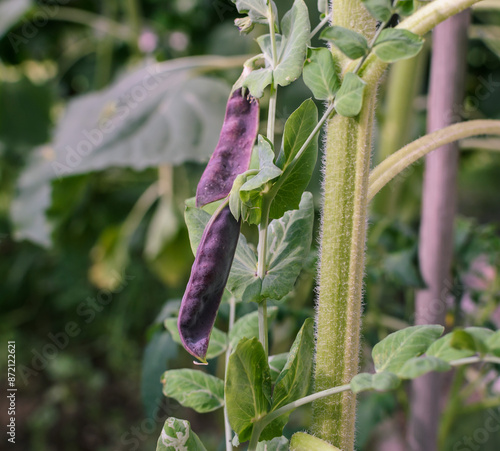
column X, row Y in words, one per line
column 370, row 47
column 92, row 20
column 227, row 425
column 271, row 118
column 320, row 25
column 262, row 312
column 134, row 18
column 421, row 22
column 400, row 160
column 295, row 160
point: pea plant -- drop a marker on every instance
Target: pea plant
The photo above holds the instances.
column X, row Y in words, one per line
column 249, row 180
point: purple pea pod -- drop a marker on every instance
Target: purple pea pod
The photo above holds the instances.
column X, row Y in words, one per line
column 234, row 149
column 206, row 284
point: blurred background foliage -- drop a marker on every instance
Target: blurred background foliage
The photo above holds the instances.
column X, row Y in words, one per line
column 99, row 241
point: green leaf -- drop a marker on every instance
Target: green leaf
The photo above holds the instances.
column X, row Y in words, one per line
column 298, row 127
column 379, row 381
column 177, row 435
column 258, row 80
column 320, row 73
column 276, row 444
column 248, row 387
column 276, row 364
column 195, row 389
column 349, row 42
column 493, row 343
column 10, row 12
column 349, row 99
column 295, row 379
column 379, row 9
column 295, row 38
column 251, row 192
column 418, row 366
column 472, row 339
column 288, row 246
column 234, row 196
column 393, row 351
column 157, row 353
column 305, row 442
column 257, row 10
column 140, row 121
column 443, row 350
column 242, row 282
column 405, row 7
column 248, row 326
column 218, row 339
column 395, row 44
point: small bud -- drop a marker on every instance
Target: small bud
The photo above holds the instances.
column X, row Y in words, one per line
column 244, row 24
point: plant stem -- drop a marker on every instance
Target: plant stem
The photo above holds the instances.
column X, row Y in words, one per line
column 405, row 157
column 295, row 160
column 227, row 425
column 134, row 19
column 370, row 47
column 96, row 21
column 271, row 118
column 263, row 326
column 338, row 319
column 320, row 25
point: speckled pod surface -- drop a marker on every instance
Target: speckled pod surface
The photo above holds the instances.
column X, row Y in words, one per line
column 206, row 284
column 234, row 149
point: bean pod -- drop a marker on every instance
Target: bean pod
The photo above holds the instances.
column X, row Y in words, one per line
column 206, row 284
column 234, row 149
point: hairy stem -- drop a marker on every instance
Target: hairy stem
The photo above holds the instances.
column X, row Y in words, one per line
column 395, row 164
column 346, row 169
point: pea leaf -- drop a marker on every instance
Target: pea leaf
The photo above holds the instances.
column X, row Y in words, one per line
column 288, row 245
column 295, row 379
column 349, row 99
column 159, row 351
column 349, row 42
column 379, row 9
column 292, row 51
column 392, row 352
column 195, row 389
column 418, row 366
column 250, row 192
column 493, row 343
column 218, row 339
column 304, row 442
column 257, row 10
column 443, row 350
column 276, row 444
column 248, row 387
column 320, row 73
column 248, row 326
column 298, row 127
column 276, row 364
column 379, row 381
column 395, row 44
column 242, row 282
column 258, row 80
column 177, row 434
column 472, row 339
column 405, row 7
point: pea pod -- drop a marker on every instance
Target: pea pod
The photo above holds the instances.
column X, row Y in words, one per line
column 234, row 149
column 208, row 279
